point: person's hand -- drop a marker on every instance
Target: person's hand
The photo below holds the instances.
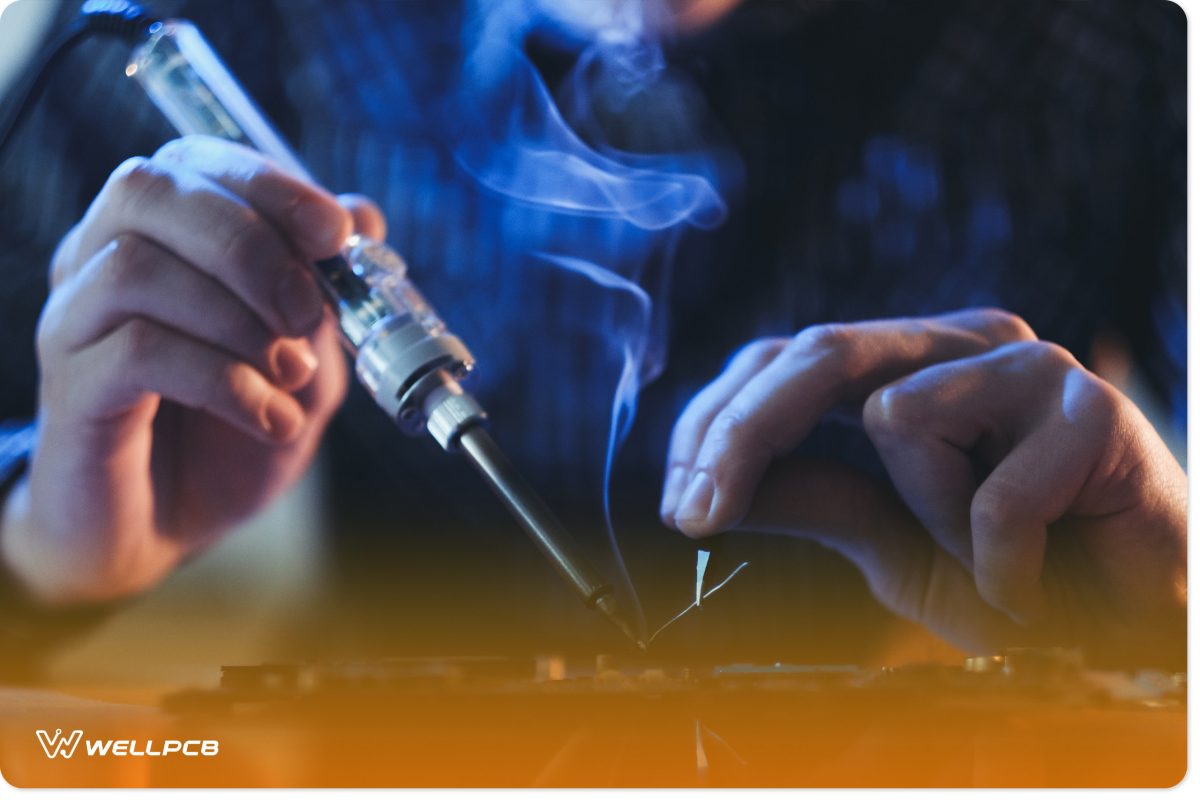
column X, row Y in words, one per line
column 188, row 367
column 1031, row 502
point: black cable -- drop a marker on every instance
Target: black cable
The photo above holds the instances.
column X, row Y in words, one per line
column 117, row 18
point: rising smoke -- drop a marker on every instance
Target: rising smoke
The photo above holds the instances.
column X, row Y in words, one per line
column 511, row 133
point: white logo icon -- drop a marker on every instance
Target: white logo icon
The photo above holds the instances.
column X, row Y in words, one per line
column 58, row 744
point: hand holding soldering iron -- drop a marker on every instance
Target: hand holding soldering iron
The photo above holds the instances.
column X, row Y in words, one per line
column 188, row 367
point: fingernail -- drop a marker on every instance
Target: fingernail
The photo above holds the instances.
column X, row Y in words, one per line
column 318, row 229
column 299, row 302
column 280, row 420
column 676, row 483
column 294, row 362
column 697, row 500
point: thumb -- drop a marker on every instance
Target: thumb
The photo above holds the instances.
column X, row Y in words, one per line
column 368, row 219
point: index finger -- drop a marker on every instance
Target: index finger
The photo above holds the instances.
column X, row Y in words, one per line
column 309, row 219
column 307, row 215
column 820, row 369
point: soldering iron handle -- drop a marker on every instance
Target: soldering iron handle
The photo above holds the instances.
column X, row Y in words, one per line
column 404, row 355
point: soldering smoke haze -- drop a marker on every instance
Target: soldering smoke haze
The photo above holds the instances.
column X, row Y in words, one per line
column 552, row 149
column 514, row 139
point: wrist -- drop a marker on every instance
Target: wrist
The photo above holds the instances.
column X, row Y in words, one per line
column 33, row 625
column 16, row 447
column 40, row 570
column 15, row 561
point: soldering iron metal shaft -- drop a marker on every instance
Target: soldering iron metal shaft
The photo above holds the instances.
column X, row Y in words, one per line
column 542, row 526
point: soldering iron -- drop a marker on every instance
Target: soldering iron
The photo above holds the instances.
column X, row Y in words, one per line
column 404, row 355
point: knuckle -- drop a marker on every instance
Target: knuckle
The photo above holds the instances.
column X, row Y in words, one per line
column 139, row 340
column 829, row 337
column 729, row 425
column 891, row 411
column 1053, row 355
column 140, row 177
column 175, row 149
column 1088, row 397
column 734, row 430
column 834, row 345
column 248, row 243
column 1040, row 355
column 131, row 262
column 255, row 171
column 759, row 352
column 1002, row 325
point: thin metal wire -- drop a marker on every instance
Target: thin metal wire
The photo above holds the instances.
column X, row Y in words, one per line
column 694, row 604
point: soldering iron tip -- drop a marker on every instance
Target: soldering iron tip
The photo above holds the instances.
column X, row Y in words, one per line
column 608, row 607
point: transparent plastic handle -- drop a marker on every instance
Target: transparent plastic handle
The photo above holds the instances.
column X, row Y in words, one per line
column 403, row 353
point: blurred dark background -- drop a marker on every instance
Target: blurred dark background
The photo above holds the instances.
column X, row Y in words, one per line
column 878, row 158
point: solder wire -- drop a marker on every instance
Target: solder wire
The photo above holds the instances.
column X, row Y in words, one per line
column 694, row 604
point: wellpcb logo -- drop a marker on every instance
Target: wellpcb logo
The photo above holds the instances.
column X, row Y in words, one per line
column 59, row 745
